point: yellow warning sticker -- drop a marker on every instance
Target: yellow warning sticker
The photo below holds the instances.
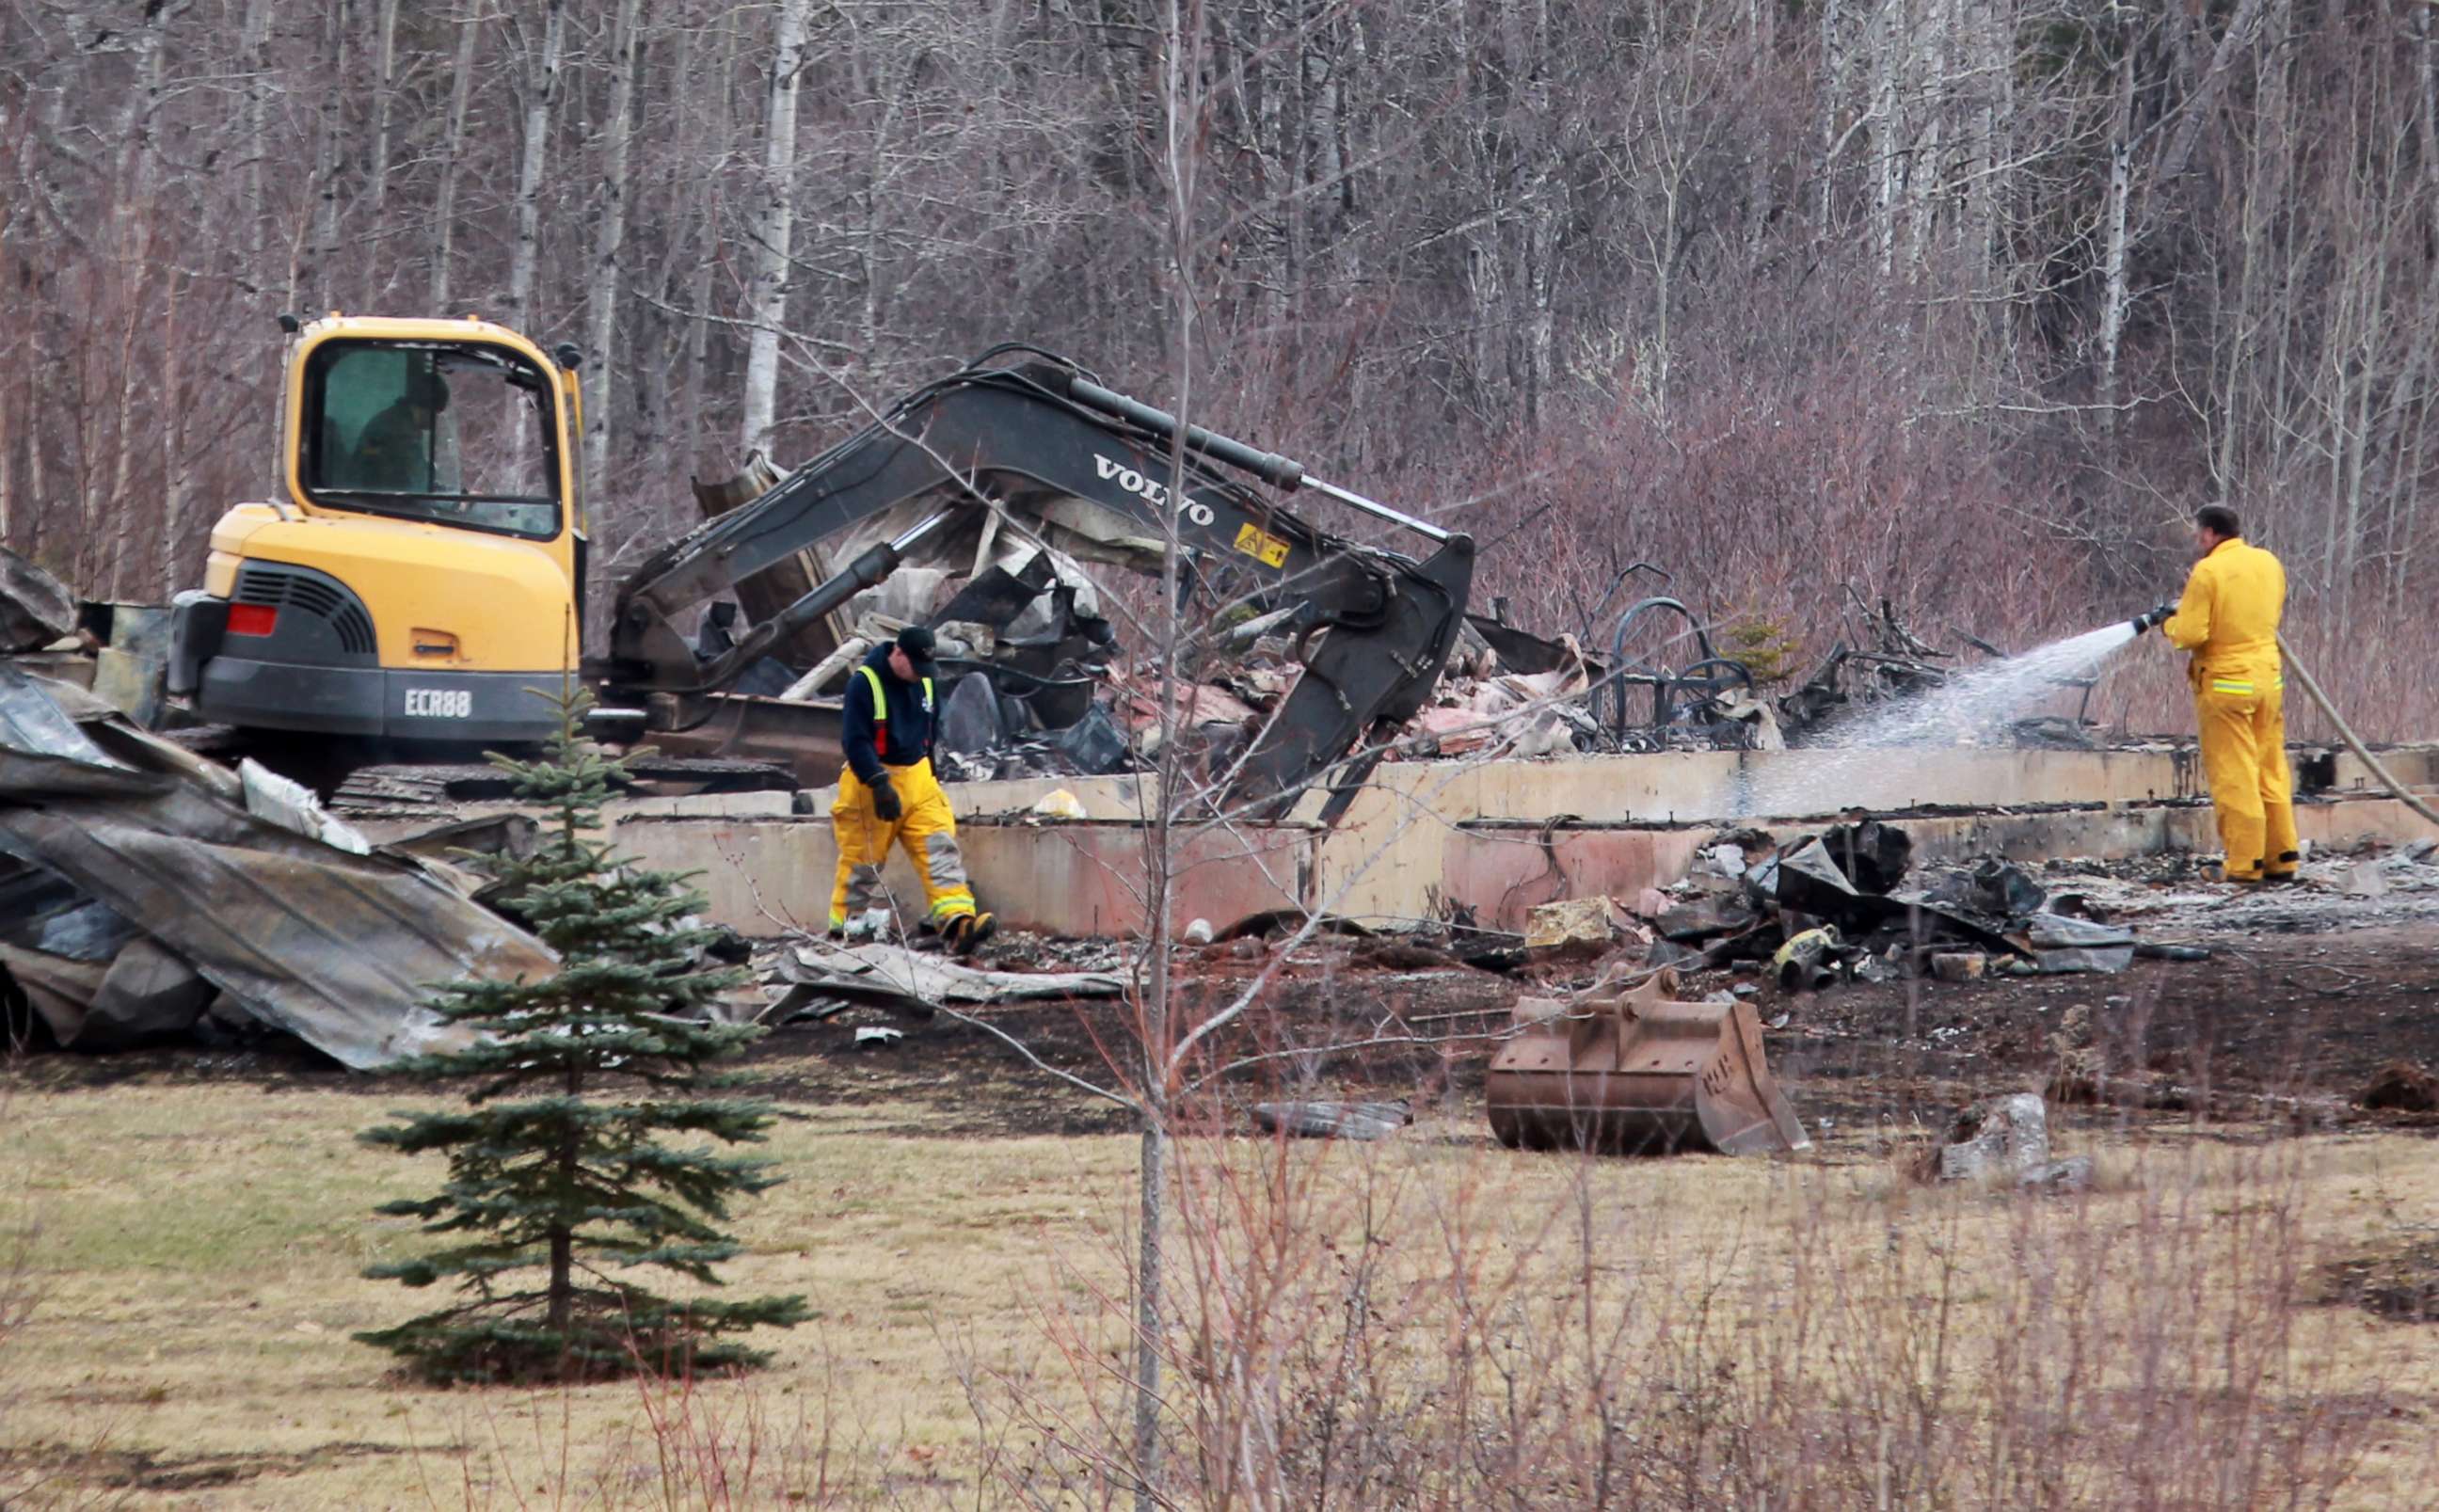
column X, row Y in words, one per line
column 1260, row 544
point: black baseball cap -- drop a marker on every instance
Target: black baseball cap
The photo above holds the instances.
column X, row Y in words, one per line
column 918, row 644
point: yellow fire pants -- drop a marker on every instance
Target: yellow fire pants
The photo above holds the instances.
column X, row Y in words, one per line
column 926, row 829
column 2243, row 724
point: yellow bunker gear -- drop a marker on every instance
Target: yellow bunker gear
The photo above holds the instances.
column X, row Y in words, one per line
column 2227, row 618
column 925, row 828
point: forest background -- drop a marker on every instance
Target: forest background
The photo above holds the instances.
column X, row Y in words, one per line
column 1962, row 303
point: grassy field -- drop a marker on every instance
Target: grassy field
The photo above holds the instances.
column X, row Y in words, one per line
column 193, row 1273
column 1457, row 1315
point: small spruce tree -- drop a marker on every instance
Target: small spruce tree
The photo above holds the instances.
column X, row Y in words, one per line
column 559, row 1184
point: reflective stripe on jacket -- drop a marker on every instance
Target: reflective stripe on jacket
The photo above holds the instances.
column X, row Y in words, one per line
column 884, row 722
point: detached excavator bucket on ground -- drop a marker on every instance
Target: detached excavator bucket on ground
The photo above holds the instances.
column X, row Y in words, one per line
column 1634, row 1071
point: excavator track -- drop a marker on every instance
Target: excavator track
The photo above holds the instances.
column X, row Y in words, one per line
column 407, row 790
column 356, row 783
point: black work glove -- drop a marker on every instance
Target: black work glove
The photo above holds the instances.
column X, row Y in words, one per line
column 885, row 800
column 2157, row 616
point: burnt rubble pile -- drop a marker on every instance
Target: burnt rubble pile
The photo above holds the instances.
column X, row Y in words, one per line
column 150, row 894
column 147, row 893
column 1041, row 686
column 1023, row 650
column 1876, row 658
column 1820, row 910
column 1036, row 682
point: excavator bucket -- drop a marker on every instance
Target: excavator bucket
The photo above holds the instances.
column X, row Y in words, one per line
column 1634, row 1071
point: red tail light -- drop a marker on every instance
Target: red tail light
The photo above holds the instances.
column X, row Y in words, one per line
column 252, row 619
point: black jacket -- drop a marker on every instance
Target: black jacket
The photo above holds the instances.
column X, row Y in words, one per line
column 901, row 741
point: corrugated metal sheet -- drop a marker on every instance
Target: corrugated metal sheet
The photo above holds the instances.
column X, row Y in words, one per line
column 339, row 950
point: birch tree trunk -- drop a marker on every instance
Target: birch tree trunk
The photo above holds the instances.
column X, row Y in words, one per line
column 1663, row 264
column 1485, row 232
column 1888, row 133
column 2276, row 153
column 2115, row 296
column 2426, row 127
column 1832, row 88
column 601, row 298
column 176, row 466
column 330, row 128
column 1545, row 195
column 1927, row 52
column 2355, row 436
column 254, row 32
column 444, row 210
column 715, row 120
column 2399, row 337
column 1354, row 152
column 2252, row 234
column 1990, row 53
column 36, row 437
column 2336, row 360
column 139, row 212
column 384, row 103
column 541, row 86
column 775, row 228
column 2196, row 115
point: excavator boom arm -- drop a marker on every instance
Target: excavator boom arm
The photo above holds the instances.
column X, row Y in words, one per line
column 1020, row 437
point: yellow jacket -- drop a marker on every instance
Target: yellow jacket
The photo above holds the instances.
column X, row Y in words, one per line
column 2228, row 617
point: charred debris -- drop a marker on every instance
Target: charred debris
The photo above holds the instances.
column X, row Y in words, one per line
column 1845, row 906
column 150, row 892
column 1039, row 681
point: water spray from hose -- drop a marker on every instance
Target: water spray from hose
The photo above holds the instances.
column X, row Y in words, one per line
column 1960, row 711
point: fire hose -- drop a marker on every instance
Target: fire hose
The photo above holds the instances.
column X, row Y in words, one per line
column 2354, row 742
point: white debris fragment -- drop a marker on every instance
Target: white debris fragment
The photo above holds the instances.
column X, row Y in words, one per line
column 2365, row 881
column 2010, row 1135
column 1057, row 804
column 292, row 806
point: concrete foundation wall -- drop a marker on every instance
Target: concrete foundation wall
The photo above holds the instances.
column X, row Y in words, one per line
column 764, row 876
column 1483, row 842
column 1682, row 787
column 1700, row 787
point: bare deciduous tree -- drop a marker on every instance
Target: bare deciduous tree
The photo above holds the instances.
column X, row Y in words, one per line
column 2129, row 258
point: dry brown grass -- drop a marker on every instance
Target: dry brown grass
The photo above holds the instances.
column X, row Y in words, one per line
column 1418, row 1322
column 198, row 1269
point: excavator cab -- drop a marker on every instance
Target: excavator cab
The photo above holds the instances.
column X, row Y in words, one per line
column 420, row 576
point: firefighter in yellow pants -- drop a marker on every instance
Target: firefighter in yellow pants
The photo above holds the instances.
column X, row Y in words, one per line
column 887, row 793
column 2227, row 618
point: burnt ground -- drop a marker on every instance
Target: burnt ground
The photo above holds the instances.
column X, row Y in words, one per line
column 2279, row 1025
column 2286, row 1024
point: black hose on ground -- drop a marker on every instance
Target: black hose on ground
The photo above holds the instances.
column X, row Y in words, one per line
column 2354, row 742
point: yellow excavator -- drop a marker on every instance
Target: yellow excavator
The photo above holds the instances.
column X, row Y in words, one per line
column 421, row 570
column 421, row 576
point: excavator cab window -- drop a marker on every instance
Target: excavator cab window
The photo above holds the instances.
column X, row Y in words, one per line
column 455, row 435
